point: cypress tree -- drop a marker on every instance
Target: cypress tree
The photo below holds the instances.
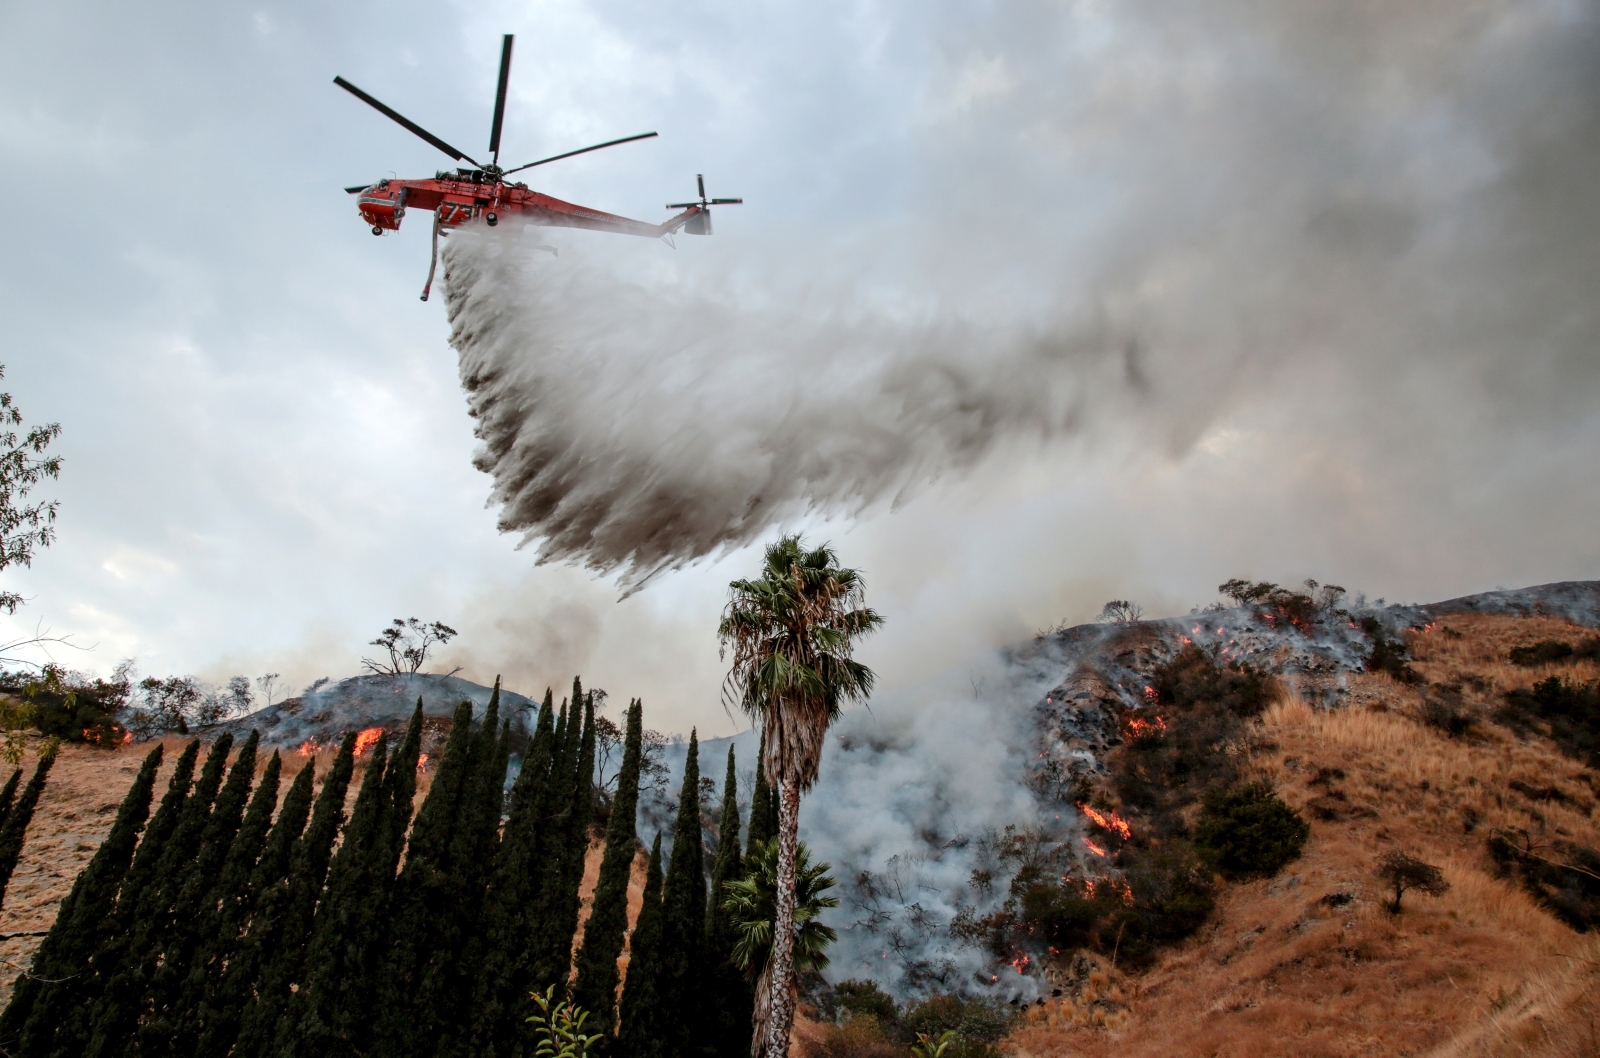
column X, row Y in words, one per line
column 421, row 894
column 58, row 977
column 511, row 900
column 639, row 1035
column 730, row 999
column 248, row 939
column 399, row 790
column 327, row 1012
column 9, row 794
column 126, row 976
column 15, row 829
column 556, row 919
column 683, row 919
column 579, row 822
column 74, row 1027
column 290, row 909
column 221, row 919
column 177, row 937
column 603, row 934
column 763, row 806
column 445, row 985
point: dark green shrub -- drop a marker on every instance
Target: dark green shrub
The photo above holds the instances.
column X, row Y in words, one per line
column 1549, row 651
column 1171, row 759
column 1388, row 655
column 1564, row 877
column 854, row 998
column 1448, row 714
column 979, row 1024
column 1567, row 711
column 1249, row 832
column 1194, row 679
column 71, row 706
column 1065, row 917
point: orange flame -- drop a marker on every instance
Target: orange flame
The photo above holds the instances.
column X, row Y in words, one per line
column 308, row 748
column 366, row 739
column 1137, row 727
column 1092, row 847
column 1020, row 963
column 422, row 762
column 1109, row 821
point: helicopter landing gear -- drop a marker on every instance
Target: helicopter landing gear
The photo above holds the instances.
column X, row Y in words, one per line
column 491, row 219
column 377, row 230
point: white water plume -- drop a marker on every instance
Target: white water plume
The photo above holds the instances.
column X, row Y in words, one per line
column 629, row 426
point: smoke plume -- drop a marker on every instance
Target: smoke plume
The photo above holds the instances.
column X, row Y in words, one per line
column 1123, row 219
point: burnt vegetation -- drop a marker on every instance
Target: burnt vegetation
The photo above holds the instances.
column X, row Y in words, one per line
column 1151, row 879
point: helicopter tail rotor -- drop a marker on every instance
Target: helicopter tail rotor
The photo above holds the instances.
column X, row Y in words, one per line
column 699, row 222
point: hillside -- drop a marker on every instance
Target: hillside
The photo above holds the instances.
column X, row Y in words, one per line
column 916, row 795
column 1310, row 962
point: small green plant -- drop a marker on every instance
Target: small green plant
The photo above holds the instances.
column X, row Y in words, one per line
column 933, row 1047
column 558, row 1027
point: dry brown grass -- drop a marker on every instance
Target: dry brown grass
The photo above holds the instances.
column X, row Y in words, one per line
column 1480, row 971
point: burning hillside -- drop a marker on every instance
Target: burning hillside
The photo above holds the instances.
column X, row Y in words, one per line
column 931, row 803
column 370, row 705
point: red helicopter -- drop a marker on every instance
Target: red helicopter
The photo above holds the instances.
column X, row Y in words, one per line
column 482, row 191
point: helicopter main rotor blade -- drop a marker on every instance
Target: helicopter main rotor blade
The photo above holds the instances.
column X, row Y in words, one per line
column 353, row 190
column 727, row 202
column 585, row 150
column 500, row 99
column 403, row 121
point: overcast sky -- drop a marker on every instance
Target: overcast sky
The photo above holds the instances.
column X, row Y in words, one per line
column 1323, row 278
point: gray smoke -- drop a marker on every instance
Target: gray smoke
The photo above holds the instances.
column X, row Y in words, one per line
column 1119, row 220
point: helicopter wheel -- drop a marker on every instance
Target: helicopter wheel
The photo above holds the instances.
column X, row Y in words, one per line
column 377, row 230
column 490, row 219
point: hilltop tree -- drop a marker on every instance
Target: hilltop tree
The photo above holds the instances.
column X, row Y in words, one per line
column 728, row 991
column 408, row 644
column 639, row 1035
column 791, row 632
column 607, row 927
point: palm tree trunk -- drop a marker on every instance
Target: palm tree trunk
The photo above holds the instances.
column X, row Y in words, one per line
column 782, row 959
column 761, row 1017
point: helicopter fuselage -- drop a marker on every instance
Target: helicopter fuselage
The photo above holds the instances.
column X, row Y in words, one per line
column 463, row 196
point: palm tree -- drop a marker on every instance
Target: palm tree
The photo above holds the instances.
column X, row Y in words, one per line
column 791, row 632
column 751, row 902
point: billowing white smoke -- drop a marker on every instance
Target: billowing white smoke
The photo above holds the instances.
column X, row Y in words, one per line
column 1081, row 215
column 914, row 797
